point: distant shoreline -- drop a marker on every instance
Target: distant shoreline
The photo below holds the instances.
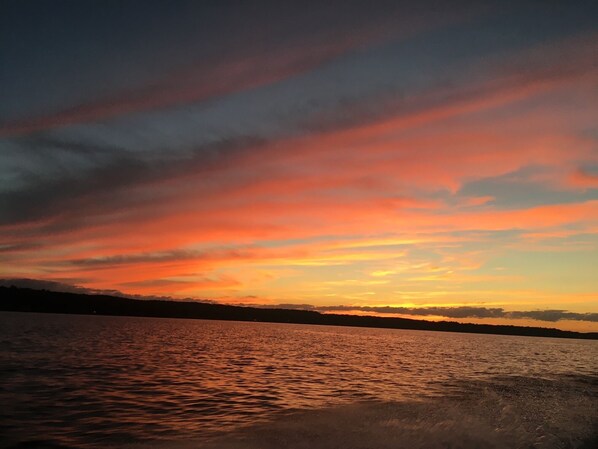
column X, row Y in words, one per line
column 16, row 299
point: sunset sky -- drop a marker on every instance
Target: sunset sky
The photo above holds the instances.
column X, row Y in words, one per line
column 430, row 160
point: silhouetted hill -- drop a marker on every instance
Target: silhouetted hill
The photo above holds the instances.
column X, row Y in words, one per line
column 29, row 300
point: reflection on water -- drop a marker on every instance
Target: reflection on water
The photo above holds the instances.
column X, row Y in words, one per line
column 508, row 412
column 83, row 381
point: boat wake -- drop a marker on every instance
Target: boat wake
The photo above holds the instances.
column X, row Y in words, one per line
column 508, row 412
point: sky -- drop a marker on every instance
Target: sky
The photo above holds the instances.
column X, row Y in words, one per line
column 432, row 160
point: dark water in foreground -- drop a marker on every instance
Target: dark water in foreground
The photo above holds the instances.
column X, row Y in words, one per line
column 87, row 381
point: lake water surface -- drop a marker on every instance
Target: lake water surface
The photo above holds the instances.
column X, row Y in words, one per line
column 91, row 381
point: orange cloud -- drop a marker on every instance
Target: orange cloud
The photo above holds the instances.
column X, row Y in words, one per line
column 367, row 198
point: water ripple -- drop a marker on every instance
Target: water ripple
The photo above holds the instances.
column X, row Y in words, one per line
column 81, row 381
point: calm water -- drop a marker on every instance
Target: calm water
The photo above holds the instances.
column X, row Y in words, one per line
column 87, row 381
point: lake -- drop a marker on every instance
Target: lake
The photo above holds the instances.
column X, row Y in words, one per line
column 69, row 381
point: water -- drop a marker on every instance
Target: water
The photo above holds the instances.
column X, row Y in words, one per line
column 91, row 381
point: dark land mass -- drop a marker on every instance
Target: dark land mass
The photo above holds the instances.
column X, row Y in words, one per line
column 28, row 300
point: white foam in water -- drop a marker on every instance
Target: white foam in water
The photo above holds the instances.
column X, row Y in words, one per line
column 509, row 413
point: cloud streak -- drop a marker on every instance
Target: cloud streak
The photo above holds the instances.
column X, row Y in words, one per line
column 467, row 312
column 275, row 44
column 327, row 157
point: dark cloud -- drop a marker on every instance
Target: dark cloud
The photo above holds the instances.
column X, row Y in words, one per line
column 159, row 257
column 13, row 248
column 464, row 312
column 66, row 183
column 292, row 306
column 45, row 198
column 195, row 282
column 520, row 189
column 461, row 312
column 554, row 315
column 449, row 312
column 153, row 55
column 73, row 194
column 104, row 172
column 157, row 283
